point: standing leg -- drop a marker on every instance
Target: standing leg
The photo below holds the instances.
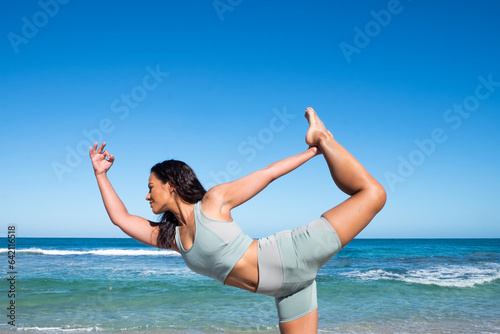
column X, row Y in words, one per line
column 307, row 324
column 367, row 196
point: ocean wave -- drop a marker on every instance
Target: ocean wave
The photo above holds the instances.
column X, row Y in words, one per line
column 59, row 329
column 445, row 276
column 100, row 252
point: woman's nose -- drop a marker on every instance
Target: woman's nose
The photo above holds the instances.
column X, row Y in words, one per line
column 147, row 197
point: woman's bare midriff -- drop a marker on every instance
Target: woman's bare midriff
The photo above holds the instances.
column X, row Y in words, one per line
column 245, row 274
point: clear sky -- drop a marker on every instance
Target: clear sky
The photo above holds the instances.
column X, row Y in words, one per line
column 410, row 88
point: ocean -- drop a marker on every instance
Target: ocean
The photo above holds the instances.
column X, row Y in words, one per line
column 371, row 286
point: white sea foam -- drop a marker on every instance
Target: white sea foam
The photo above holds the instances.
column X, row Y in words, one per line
column 101, row 252
column 446, row 276
column 58, row 329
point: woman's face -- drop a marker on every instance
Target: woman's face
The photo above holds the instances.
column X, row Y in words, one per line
column 159, row 195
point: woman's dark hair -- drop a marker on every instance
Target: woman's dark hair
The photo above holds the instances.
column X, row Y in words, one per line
column 187, row 186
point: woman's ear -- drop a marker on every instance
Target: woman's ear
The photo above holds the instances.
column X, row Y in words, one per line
column 170, row 188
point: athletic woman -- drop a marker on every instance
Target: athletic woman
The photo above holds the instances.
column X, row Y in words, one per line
column 198, row 224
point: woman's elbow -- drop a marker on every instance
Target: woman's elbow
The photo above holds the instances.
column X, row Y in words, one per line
column 117, row 222
column 119, row 219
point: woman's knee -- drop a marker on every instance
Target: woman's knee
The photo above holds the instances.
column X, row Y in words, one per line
column 378, row 196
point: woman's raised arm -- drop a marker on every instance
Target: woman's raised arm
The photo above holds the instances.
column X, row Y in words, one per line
column 135, row 226
column 232, row 194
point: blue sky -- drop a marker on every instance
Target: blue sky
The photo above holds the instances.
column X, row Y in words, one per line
column 410, row 88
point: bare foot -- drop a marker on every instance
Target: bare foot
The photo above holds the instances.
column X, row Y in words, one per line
column 317, row 131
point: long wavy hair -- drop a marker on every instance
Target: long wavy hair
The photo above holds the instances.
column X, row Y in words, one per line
column 187, row 186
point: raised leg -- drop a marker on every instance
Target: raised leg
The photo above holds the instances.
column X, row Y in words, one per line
column 367, row 196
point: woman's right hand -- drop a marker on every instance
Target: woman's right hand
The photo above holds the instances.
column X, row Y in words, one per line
column 101, row 160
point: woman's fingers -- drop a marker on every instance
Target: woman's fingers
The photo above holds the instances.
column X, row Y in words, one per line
column 101, row 149
column 109, row 156
column 95, row 151
column 92, row 150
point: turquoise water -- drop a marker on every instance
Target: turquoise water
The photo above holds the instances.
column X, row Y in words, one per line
column 371, row 286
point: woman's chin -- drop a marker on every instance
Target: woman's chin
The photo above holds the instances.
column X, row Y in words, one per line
column 157, row 212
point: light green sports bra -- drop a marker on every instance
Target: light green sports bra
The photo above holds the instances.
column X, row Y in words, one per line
column 217, row 246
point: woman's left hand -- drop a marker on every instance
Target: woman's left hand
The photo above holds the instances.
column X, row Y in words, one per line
column 101, row 160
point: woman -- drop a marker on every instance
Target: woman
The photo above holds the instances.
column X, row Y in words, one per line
column 198, row 224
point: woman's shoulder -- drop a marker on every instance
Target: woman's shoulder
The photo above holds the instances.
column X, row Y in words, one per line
column 212, row 205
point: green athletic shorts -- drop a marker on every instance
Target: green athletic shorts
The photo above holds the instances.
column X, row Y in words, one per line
column 288, row 264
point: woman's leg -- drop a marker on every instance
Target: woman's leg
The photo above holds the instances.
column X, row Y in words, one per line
column 307, row 324
column 367, row 195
